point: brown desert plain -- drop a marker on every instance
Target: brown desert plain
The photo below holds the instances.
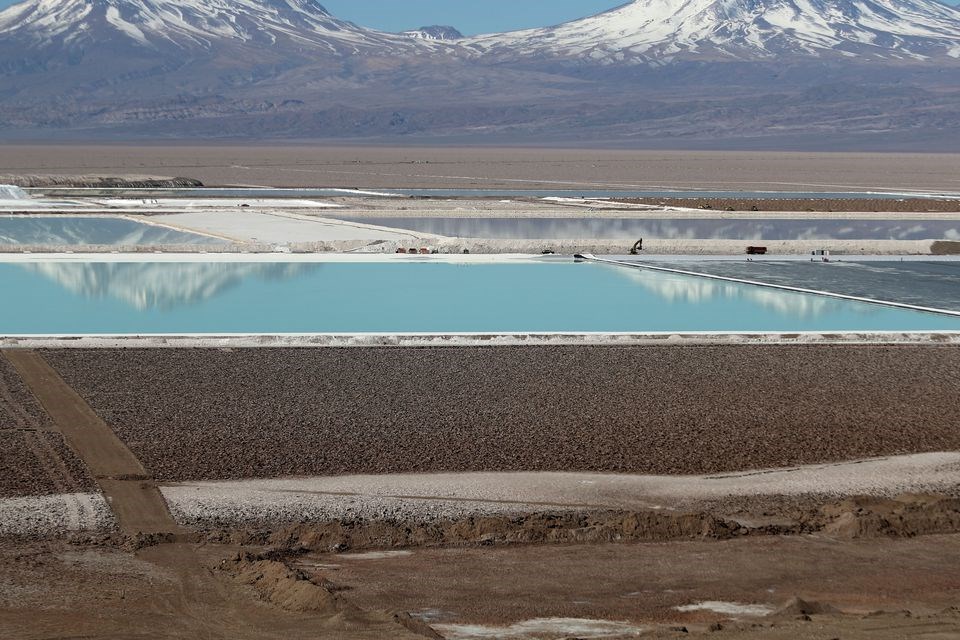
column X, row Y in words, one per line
column 314, row 165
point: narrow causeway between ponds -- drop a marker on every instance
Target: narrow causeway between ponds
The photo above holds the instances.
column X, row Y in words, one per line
column 131, row 493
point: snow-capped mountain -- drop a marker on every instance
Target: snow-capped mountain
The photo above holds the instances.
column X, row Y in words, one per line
column 671, row 70
column 188, row 25
column 661, row 31
column 435, row 32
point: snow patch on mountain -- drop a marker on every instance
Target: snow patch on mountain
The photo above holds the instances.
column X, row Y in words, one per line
column 657, row 30
column 188, row 24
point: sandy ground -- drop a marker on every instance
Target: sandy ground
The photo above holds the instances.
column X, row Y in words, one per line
column 424, row 167
column 468, row 592
column 67, row 590
column 447, row 496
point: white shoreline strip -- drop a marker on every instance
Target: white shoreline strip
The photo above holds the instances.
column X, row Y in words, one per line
column 413, row 340
column 456, row 494
column 767, row 285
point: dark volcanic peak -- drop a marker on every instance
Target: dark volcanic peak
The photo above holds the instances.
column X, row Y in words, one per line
column 667, row 30
column 435, row 32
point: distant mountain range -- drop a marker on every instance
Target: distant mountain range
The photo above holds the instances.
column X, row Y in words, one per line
column 669, row 73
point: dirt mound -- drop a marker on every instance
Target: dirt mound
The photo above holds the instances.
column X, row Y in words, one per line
column 799, row 607
column 861, row 517
column 536, row 528
column 905, row 516
column 418, row 627
column 288, row 588
column 945, row 248
column 282, row 586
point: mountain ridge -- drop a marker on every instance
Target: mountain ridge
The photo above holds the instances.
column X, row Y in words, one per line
column 651, row 30
column 649, row 70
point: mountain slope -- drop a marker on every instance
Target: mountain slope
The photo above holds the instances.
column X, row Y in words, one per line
column 157, row 58
column 187, row 25
column 659, row 31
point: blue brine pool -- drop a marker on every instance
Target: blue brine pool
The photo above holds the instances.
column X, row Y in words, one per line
column 80, row 297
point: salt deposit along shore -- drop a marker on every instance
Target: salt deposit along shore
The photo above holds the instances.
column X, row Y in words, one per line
column 444, row 496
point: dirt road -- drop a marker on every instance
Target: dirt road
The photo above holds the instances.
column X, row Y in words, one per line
column 133, row 496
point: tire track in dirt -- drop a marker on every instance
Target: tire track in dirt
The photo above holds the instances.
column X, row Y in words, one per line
column 48, row 460
column 12, row 410
column 132, row 495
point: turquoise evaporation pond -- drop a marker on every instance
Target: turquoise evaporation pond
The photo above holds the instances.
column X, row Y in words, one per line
column 84, row 298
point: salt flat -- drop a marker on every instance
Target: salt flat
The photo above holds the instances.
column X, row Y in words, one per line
column 276, row 227
column 446, row 495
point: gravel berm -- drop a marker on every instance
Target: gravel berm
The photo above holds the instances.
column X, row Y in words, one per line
column 222, row 414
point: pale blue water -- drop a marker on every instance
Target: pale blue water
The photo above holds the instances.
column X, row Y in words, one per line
column 91, row 230
column 429, row 296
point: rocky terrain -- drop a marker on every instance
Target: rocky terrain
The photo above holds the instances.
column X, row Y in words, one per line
column 674, row 410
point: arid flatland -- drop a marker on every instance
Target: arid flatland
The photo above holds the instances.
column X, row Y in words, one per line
column 314, row 165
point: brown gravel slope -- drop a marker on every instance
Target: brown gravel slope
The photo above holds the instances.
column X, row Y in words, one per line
column 34, row 460
column 212, row 414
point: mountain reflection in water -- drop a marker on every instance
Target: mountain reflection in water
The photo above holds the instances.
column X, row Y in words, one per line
column 672, row 228
column 700, row 291
column 162, row 286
